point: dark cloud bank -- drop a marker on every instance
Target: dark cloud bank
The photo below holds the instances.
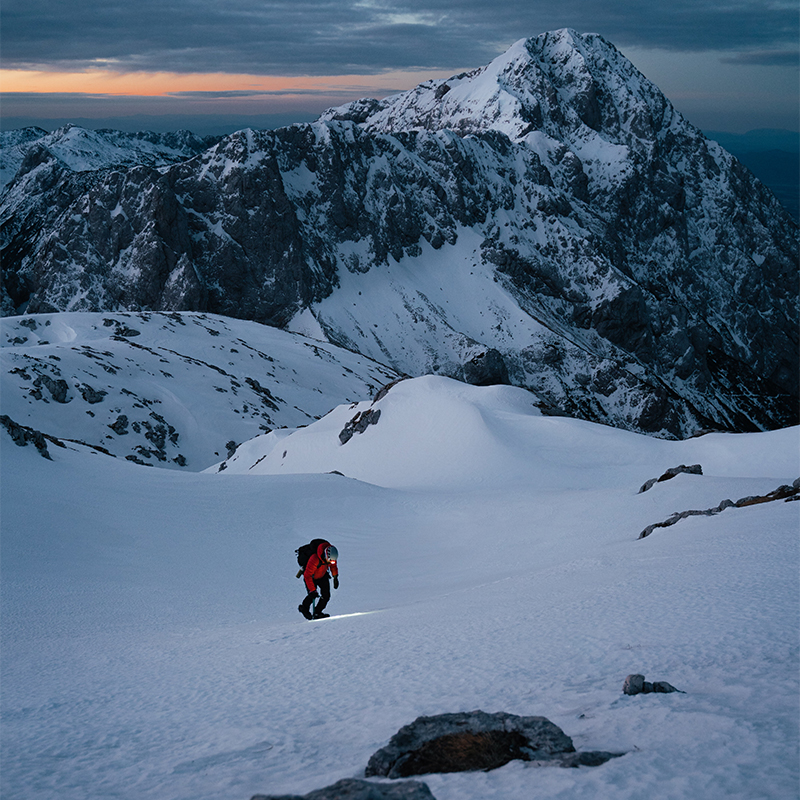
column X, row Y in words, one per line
column 368, row 36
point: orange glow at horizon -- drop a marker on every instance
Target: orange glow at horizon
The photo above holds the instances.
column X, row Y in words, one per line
column 162, row 84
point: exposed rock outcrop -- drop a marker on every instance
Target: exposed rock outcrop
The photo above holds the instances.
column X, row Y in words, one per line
column 359, row 424
column 22, row 436
column 636, row 684
column 90, row 394
column 695, row 469
column 784, row 492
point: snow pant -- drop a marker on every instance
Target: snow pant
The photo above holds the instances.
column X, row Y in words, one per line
column 324, row 586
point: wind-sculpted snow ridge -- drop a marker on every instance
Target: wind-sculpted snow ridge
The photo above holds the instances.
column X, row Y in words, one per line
column 433, row 432
column 172, row 390
column 548, row 221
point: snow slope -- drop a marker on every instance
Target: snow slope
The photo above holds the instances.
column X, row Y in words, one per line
column 151, row 646
column 175, row 390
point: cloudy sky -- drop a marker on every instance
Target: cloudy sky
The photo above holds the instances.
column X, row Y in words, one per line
column 728, row 65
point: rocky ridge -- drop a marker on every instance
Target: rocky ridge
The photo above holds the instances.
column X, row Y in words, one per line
column 548, row 221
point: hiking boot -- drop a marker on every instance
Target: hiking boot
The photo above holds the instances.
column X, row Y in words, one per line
column 305, row 612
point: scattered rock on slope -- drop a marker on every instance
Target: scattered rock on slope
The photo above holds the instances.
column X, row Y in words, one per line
column 636, row 684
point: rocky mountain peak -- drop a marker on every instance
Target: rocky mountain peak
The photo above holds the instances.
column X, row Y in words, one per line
column 547, row 220
column 561, row 84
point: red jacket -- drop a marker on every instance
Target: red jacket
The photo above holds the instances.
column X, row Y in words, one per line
column 317, row 567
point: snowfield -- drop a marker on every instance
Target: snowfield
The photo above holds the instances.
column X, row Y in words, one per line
column 152, row 647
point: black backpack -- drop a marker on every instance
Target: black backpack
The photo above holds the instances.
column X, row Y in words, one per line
column 307, row 550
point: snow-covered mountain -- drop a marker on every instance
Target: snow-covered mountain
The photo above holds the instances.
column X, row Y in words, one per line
column 489, row 559
column 82, row 150
column 174, row 390
column 548, row 221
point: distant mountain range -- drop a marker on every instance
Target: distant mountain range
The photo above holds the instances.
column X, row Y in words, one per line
column 548, row 220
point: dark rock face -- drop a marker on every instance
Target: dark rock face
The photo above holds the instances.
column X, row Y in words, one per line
column 22, row 436
column 486, row 369
column 476, row 740
column 352, row 789
column 639, row 275
column 359, row 424
column 462, row 752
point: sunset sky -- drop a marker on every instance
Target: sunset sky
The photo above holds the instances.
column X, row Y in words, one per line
column 728, row 65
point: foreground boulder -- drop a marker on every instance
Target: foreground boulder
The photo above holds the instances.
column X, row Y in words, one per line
column 463, row 742
column 352, row 789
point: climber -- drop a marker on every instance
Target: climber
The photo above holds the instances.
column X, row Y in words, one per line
column 320, row 559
